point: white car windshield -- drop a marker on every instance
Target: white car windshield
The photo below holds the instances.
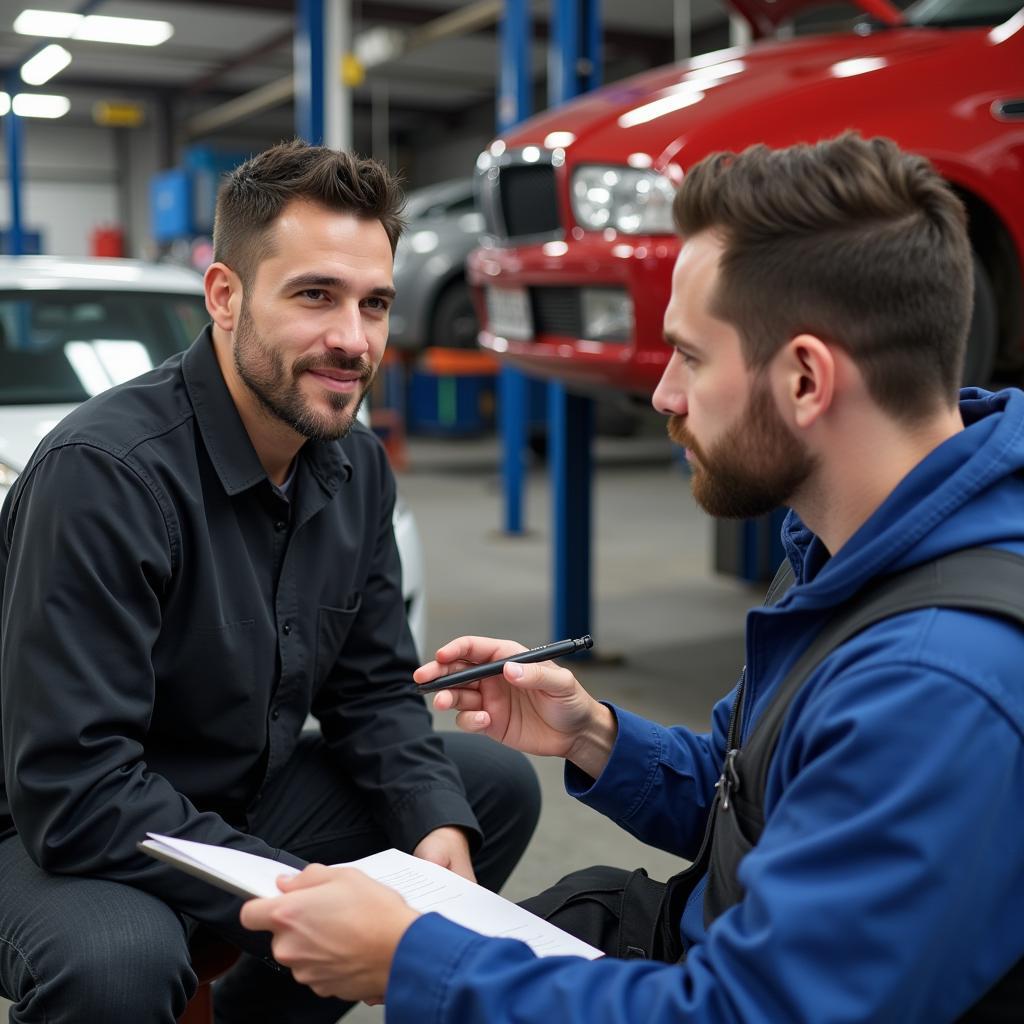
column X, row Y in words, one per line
column 63, row 346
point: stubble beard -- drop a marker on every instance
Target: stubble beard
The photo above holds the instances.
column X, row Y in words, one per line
column 261, row 368
column 756, row 466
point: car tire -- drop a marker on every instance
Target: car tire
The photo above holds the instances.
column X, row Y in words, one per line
column 982, row 338
column 454, row 322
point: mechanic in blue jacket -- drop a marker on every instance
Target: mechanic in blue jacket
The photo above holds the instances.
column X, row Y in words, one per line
column 818, row 317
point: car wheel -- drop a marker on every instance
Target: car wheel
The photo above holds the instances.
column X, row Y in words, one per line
column 454, row 323
column 982, row 338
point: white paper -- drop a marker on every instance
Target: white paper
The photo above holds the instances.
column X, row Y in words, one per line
column 426, row 887
column 244, row 873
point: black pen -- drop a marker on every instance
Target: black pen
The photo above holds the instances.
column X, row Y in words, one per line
column 558, row 649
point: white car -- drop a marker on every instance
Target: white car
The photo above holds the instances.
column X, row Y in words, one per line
column 72, row 328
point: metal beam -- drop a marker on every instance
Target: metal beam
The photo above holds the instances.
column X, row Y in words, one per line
column 461, row 22
column 682, row 29
column 574, row 67
column 308, row 79
column 12, row 139
column 337, row 32
column 283, row 89
column 514, row 102
column 273, row 94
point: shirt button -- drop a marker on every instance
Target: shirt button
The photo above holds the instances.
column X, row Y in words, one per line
column 286, row 628
column 275, row 714
column 280, row 526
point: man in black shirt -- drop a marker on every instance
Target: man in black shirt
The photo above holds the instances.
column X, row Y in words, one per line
column 192, row 563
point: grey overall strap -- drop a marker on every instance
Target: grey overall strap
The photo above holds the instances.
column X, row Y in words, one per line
column 977, row 579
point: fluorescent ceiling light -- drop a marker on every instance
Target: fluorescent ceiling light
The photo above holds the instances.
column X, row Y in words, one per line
column 45, row 64
column 46, row 23
column 93, row 27
column 36, row 104
column 134, row 31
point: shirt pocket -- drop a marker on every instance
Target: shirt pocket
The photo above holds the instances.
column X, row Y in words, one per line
column 214, row 678
column 333, row 627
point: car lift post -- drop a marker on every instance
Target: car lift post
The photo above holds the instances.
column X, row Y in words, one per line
column 12, row 140
column 574, row 67
column 514, row 101
column 308, row 59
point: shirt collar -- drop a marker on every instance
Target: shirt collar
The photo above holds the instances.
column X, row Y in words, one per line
column 225, row 437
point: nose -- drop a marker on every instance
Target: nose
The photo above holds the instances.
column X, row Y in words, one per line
column 669, row 396
column 347, row 331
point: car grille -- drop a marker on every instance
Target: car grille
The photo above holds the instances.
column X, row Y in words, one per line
column 557, row 311
column 520, row 200
column 529, row 205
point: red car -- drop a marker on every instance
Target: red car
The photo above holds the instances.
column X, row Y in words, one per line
column 576, row 276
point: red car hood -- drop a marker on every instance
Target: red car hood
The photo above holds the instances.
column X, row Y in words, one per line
column 722, row 100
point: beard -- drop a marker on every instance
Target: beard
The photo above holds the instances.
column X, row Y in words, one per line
column 263, row 371
column 753, row 468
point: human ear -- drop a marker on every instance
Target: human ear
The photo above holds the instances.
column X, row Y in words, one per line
column 806, row 374
column 222, row 287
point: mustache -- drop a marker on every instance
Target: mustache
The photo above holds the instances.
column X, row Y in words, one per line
column 679, row 435
column 337, row 361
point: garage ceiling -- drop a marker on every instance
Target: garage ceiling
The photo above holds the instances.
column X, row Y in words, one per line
column 223, row 48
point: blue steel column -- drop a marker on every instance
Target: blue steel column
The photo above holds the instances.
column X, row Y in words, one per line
column 574, row 66
column 308, row 59
column 12, row 140
column 514, row 101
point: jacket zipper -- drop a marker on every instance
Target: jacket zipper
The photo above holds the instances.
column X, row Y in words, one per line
column 729, row 781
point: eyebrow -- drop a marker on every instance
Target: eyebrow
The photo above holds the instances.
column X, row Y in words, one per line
column 675, row 341
column 325, row 281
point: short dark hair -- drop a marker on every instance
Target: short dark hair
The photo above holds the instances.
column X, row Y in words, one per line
column 253, row 195
column 852, row 240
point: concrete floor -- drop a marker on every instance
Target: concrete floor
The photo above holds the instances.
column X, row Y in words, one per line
column 668, row 632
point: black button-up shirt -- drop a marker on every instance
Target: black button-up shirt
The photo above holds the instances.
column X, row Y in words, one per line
column 170, row 618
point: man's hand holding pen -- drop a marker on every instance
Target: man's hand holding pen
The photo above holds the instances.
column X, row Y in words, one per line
column 337, row 929
column 538, row 708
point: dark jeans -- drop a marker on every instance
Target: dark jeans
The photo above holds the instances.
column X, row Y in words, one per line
column 94, row 952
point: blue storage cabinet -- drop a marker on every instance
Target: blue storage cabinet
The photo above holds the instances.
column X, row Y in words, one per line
column 182, row 200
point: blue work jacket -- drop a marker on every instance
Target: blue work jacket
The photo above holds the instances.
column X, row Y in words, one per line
column 888, row 885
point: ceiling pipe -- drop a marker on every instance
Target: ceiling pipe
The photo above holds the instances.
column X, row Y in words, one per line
column 266, row 97
column 460, row 22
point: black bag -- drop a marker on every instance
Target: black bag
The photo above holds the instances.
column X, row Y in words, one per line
column 620, row 912
column 981, row 579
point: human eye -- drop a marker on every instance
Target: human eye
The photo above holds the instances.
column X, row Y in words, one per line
column 378, row 303
column 313, row 294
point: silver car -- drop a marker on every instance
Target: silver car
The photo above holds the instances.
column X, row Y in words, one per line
column 433, row 304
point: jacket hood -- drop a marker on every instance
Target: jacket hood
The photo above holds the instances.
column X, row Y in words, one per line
column 968, row 492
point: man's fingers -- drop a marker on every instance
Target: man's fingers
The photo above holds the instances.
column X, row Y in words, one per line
column 433, row 669
column 314, row 874
column 255, row 915
column 473, row 650
column 540, row 675
column 459, row 699
column 472, row 721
